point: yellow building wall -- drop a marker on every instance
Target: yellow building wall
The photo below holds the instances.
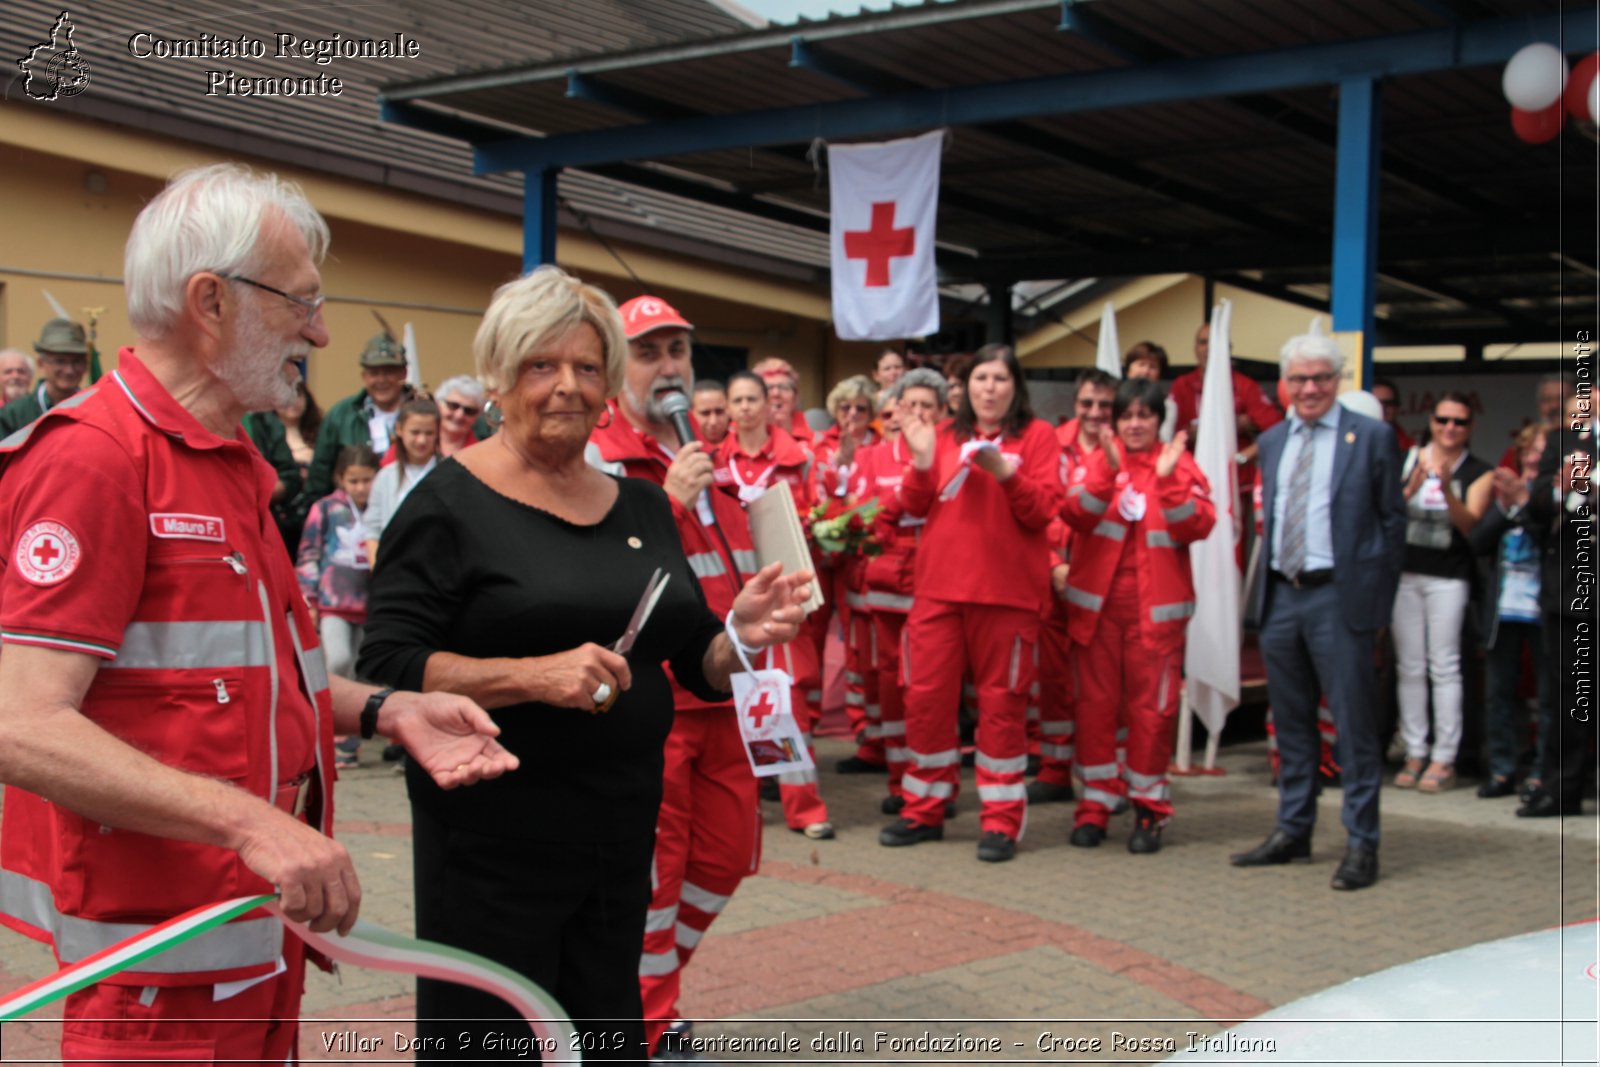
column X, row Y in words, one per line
column 1168, row 309
column 72, row 188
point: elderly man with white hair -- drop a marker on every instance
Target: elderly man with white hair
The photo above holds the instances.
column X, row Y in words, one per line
column 1334, row 538
column 16, row 374
column 166, row 722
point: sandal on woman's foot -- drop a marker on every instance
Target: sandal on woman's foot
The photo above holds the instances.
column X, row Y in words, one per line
column 1437, row 778
column 1407, row 778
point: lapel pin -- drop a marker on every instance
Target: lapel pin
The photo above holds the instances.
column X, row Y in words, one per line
column 1350, row 437
column 634, row 542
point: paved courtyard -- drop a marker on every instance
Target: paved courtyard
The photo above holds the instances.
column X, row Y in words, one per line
column 850, row 952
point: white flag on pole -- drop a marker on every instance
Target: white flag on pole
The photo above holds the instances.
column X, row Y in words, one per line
column 413, row 361
column 1108, row 356
column 1211, row 659
column 885, row 200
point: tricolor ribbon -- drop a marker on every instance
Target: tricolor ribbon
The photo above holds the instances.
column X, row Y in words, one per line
column 367, row 945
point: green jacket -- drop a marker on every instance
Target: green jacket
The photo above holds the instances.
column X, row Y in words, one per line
column 344, row 424
column 21, row 411
column 266, row 430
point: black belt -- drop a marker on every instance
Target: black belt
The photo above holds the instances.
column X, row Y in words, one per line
column 1307, row 579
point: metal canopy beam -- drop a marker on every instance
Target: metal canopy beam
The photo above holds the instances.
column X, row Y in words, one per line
column 1466, row 45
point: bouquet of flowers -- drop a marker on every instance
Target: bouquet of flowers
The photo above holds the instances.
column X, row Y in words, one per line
column 845, row 531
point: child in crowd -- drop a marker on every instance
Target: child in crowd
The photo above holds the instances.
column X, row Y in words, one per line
column 333, row 568
column 415, row 452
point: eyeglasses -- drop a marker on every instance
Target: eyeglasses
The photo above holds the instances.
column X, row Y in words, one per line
column 453, row 406
column 1095, row 405
column 67, row 359
column 1446, row 420
column 860, row 408
column 1300, row 381
column 309, row 304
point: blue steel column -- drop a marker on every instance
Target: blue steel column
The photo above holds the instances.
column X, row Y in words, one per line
column 1355, row 216
column 539, row 217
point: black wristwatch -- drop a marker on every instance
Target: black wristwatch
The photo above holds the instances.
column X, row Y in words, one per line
column 369, row 714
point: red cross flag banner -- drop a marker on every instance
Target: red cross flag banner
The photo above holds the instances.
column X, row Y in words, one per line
column 885, row 198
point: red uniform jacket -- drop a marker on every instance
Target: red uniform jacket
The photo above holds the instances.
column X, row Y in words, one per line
column 136, row 535
column 986, row 543
column 880, row 472
column 782, row 458
column 1175, row 511
column 720, row 553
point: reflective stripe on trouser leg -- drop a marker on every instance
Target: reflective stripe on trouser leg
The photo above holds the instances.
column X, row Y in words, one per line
column 935, row 656
column 1097, row 670
column 802, row 801
column 1153, row 687
column 860, row 664
column 1002, row 643
column 1057, row 709
column 888, row 628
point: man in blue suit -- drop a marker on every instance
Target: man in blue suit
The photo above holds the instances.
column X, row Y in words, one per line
column 1335, row 535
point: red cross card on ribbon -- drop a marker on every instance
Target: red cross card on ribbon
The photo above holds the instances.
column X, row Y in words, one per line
column 772, row 739
column 885, row 200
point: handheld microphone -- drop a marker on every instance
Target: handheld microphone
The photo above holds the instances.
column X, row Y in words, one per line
column 676, row 407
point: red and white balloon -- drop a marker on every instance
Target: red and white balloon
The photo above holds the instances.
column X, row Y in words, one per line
column 1542, row 94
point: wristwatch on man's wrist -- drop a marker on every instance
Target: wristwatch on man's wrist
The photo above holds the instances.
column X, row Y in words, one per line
column 369, row 714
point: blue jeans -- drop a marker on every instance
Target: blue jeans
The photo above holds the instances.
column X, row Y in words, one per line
column 1501, row 711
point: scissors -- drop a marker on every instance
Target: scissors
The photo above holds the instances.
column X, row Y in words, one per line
column 641, row 615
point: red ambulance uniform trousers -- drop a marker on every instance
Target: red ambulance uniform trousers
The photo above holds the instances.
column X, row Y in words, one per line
column 1116, row 672
column 802, row 801
column 708, row 837
column 942, row 638
column 107, row 1023
column 888, row 632
column 863, row 681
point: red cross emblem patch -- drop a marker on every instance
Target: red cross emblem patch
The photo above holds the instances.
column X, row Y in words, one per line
column 47, row 552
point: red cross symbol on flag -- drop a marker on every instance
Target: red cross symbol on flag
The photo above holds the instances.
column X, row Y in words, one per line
column 884, row 201
column 761, row 707
column 879, row 244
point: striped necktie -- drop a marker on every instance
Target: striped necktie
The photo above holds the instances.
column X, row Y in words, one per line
column 1292, row 554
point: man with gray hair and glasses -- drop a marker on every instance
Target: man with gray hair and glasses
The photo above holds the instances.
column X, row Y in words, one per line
column 1334, row 539
column 166, row 722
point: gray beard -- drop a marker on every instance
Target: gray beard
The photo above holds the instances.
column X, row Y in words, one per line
column 251, row 372
column 650, row 406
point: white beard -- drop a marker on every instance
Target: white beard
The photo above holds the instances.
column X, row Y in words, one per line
column 252, row 368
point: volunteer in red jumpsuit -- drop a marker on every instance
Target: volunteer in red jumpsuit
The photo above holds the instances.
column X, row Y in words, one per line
column 708, row 834
column 1078, row 437
column 853, row 403
column 989, row 482
column 1134, row 509
column 755, row 456
column 166, row 722
column 880, row 471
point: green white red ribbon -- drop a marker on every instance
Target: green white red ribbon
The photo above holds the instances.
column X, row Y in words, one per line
column 368, row 945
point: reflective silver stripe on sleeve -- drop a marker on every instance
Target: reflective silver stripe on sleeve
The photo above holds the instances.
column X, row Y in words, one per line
column 191, row 645
column 246, row 943
column 855, row 601
column 745, row 559
column 1172, row 612
column 1159, row 539
column 1088, row 501
column 707, row 565
column 932, row 760
column 1084, row 599
column 1179, row 513
column 1113, row 530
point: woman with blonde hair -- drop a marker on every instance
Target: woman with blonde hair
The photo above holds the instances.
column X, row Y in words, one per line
column 510, row 575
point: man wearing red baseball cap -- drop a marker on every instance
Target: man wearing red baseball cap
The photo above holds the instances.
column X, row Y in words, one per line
column 708, row 834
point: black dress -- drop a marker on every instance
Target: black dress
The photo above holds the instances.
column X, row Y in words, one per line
column 546, row 869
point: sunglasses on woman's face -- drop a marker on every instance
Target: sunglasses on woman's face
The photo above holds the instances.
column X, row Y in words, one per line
column 1447, row 420
column 453, row 406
